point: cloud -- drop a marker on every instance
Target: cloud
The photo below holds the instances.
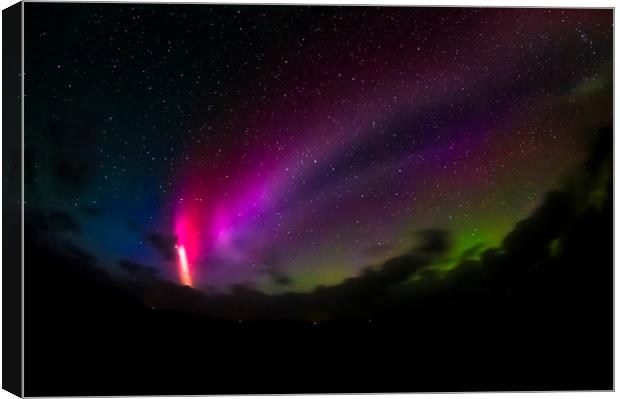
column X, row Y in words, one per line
column 282, row 279
column 271, row 270
column 56, row 221
column 432, row 240
column 164, row 243
column 138, row 271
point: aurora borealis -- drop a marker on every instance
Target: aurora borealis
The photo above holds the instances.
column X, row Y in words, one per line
column 287, row 148
column 253, row 199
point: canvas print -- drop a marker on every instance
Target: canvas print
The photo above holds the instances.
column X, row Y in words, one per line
column 230, row 199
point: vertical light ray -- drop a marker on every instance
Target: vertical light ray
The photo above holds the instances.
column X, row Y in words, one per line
column 184, row 273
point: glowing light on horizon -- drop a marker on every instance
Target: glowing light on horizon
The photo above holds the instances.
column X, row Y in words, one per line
column 184, row 273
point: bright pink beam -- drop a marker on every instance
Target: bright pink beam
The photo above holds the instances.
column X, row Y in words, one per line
column 186, row 277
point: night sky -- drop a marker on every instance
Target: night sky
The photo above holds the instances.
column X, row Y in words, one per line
column 286, row 148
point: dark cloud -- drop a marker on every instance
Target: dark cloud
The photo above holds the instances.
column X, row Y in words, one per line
column 138, row 271
column 282, row 279
column 164, row 243
column 276, row 276
column 432, row 240
column 472, row 251
column 56, row 221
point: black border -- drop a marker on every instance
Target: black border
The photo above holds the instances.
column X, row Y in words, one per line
column 12, row 193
